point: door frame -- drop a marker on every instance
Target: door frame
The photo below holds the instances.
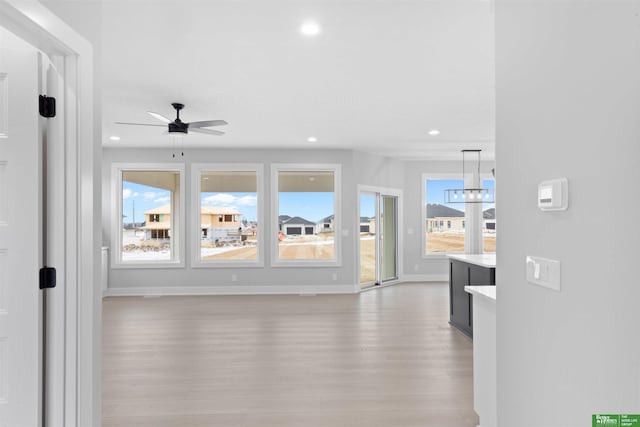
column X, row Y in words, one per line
column 78, row 318
column 399, row 249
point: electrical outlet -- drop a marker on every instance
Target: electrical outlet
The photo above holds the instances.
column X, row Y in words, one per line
column 334, row 276
column 234, row 277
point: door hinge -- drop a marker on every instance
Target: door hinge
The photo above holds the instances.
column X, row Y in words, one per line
column 47, row 277
column 47, row 106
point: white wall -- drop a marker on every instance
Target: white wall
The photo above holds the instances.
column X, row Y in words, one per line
column 568, row 104
column 378, row 171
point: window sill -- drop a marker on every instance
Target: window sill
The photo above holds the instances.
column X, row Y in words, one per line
column 305, row 264
column 227, row 264
column 147, row 264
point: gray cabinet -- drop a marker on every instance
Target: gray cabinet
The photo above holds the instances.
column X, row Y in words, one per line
column 463, row 274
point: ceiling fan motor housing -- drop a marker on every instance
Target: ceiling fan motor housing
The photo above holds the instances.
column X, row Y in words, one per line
column 178, row 127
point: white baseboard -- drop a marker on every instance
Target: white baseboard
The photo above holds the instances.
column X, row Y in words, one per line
column 425, row 278
column 229, row 290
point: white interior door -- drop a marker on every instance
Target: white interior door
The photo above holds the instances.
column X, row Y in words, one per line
column 20, row 248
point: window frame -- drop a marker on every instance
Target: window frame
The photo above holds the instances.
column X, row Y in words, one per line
column 196, row 172
column 423, row 213
column 177, row 221
column 489, row 177
column 443, row 176
column 337, row 213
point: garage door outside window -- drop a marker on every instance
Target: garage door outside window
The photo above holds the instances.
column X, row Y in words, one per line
column 307, row 214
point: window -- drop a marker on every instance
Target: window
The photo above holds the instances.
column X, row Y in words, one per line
column 147, row 221
column 489, row 221
column 444, row 223
column 226, row 214
column 306, row 213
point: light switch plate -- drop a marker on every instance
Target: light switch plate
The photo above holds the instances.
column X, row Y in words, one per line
column 543, row 272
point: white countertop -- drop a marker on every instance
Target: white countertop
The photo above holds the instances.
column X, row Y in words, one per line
column 483, row 260
column 488, row 292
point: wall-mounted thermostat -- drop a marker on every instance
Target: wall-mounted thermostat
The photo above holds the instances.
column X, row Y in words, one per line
column 553, row 195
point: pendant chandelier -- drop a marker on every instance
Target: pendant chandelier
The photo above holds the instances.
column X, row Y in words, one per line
column 475, row 194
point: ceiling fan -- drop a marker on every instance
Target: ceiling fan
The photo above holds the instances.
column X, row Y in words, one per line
column 178, row 126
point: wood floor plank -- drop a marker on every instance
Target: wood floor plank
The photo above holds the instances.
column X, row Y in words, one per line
column 386, row 357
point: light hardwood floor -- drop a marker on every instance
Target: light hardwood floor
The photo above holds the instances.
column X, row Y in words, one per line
column 384, row 358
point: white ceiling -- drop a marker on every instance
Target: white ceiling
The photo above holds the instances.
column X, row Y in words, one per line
column 378, row 77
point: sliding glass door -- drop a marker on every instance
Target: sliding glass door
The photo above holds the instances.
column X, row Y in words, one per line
column 368, row 240
column 378, row 237
column 388, row 237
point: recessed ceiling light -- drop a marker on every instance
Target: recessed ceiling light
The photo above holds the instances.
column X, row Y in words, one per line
column 310, row 28
column 434, row 132
column 312, row 139
column 114, row 138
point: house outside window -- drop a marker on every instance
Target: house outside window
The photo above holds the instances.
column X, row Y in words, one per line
column 488, row 221
column 227, row 215
column 441, row 240
column 307, row 213
column 149, row 208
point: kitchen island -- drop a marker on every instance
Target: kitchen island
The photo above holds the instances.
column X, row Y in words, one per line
column 467, row 270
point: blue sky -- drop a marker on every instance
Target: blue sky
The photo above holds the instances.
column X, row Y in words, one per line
column 368, row 205
column 245, row 203
column 310, row 206
column 143, row 198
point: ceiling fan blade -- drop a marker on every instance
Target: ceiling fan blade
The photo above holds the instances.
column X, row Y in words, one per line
column 159, row 117
column 139, row 124
column 207, row 131
column 207, row 123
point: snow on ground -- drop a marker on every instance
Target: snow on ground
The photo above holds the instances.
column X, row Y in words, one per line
column 129, row 239
column 138, row 255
